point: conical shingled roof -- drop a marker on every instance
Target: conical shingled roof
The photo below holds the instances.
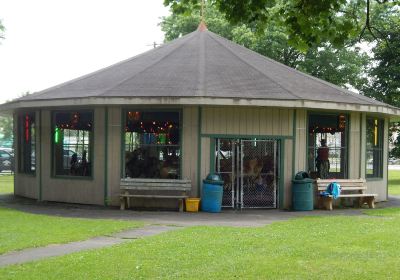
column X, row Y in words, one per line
column 201, row 64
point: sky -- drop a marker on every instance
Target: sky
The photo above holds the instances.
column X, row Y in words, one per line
column 49, row 42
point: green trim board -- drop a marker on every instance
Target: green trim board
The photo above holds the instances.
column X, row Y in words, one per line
column 105, row 156
column 91, row 143
column 125, row 109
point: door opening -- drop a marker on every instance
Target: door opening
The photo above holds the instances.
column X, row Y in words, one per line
column 249, row 168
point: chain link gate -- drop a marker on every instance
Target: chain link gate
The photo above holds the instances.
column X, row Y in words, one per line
column 250, row 172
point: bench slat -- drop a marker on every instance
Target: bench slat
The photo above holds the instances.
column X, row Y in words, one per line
column 358, row 195
column 154, row 196
column 156, row 188
column 155, row 181
column 345, row 188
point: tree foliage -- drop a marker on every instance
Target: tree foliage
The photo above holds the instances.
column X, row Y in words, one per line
column 6, row 127
column 384, row 75
column 306, row 23
column 2, row 28
column 341, row 66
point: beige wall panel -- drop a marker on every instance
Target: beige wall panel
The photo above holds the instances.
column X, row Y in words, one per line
column 247, row 121
column 74, row 190
column 287, row 184
column 114, row 154
column 301, row 140
column 242, row 120
column 27, row 185
column 190, row 146
column 354, row 145
column 231, row 123
column 363, row 145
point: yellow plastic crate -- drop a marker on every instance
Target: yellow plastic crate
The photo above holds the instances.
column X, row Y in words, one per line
column 192, row 204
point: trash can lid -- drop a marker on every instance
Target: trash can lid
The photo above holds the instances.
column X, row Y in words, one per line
column 214, row 179
column 301, row 175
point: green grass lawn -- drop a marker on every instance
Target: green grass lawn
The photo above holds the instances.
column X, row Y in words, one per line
column 6, row 184
column 394, row 182
column 19, row 230
column 336, row 247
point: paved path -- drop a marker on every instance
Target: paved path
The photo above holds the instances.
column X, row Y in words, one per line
column 34, row 254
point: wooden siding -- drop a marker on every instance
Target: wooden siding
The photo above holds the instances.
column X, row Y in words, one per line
column 189, row 161
column 70, row 189
column 247, row 121
column 114, row 154
column 27, row 185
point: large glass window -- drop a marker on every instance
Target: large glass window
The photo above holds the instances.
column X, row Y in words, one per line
column 72, row 143
column 374, row 159
column 152, row 144
column 26, row 143
column 327, row 145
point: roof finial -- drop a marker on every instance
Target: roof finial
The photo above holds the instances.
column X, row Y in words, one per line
column 202, row 25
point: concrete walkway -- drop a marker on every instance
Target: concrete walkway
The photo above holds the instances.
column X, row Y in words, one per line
column 245, row 218
column 35, row 254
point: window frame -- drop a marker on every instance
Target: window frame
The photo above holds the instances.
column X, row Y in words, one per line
column 381, row 141
column 347, row 135
column 20, row 168
column 125, row 110
column 91, row 145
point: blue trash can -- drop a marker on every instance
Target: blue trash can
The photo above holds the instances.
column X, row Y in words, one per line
column 211, row 197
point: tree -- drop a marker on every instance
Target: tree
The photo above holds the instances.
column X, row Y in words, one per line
column 1, row 30
column 384, row 74
column 307, row 23
column 6, row 127
column 342, row 66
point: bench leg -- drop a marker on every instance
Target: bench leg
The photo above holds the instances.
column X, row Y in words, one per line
column 371, row 202
column 128, row 202
column 328, row 201
column 122, row 201
column 180, row 205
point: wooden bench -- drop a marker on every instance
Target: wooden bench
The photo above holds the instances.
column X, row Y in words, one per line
column 352, row 188
column 154, row 188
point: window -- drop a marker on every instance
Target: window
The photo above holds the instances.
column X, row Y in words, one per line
column 327, row 145
column 374, row 159
column 26, row 141
column 72, row 143
column 152, row 145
